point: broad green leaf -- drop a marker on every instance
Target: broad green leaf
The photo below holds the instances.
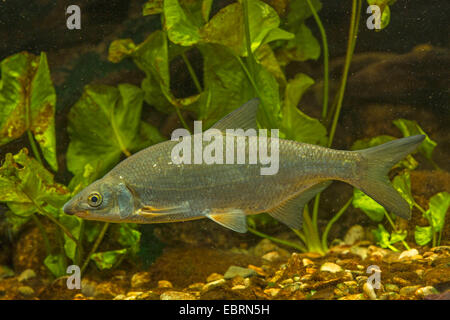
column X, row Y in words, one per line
column 206, row 9
column 410, row 128
column 370, row 207
column 409, row 162
column 226, row 87
column 299, row 11
column 152, row 7
column 27, row 100
column 25, row 183
column 129, row 237
column 56, row 264
column 92, row 230
column 148, row 135
column 152, row 57
column 15, row 221
column 438, row 208
column 108, row 259
column 402, row 183
column 180, row 28
column 382, row 237
column 227, row 27
column 83, row 179
column 103, row 124
column 385, row 11
column 303, row 47
column 73, row 224
column 398, row 236
column 295, row 124
column 423, row 235
column 265, row 56
column 119, row 49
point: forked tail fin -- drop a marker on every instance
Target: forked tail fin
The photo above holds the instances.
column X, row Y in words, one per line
column 375, row 182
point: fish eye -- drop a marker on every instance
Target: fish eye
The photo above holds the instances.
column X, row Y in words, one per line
column 95, row 199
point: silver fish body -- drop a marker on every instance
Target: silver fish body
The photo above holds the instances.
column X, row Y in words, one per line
column 149, row 187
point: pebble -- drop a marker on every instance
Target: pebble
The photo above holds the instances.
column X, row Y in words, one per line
column 119, row 297
column 264, row 246
column 258, row 270
column 272, row 256
column 392, row 287
column 368, row 289
column 26, row 275
column 239, row 287
column 234, row 271
column 106, row 290
column 409, row 290
column 140, row 279
column 389, row 296
column 214, row 284
column 354, row 234
column 6, row 272
column 358, row 296
column 149, row 295
column 88, row 287
column 408, row 254
column 164, row 284
column 331, row 267
column 214, row 277
column 360, row 251
column 272, row 291
column 425, row 291
column 307, row 262
column 196, row 286
column 400, row 281
column 26, row 291
column 176, row 295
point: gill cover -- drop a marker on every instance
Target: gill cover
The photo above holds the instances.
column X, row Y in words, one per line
column 125, row 201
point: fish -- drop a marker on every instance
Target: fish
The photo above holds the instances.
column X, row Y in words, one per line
column 148, row 187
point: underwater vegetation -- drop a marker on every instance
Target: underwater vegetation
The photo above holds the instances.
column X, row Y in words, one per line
column 245, row 48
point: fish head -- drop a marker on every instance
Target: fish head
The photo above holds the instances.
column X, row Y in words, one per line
column 107, row 199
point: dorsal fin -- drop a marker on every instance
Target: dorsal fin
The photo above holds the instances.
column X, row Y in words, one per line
column 233, row 219
column 241, row 118
column 290, row 212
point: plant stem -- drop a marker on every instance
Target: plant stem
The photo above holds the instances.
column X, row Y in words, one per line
column 396, row 230
column 280, row 241
column 356, row 4
column 192, row 72
column 34, row 147
column 332, row 221
column 95, row 246
column 325, row 59
column 248, row 39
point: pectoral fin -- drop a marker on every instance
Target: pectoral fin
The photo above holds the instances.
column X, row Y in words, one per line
column 290, row 211
column 233, row 219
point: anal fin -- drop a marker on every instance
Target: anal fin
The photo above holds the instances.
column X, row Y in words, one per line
column 233, row 219
column 290, row 211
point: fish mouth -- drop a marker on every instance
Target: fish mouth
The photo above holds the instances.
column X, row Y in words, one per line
column 71, row 210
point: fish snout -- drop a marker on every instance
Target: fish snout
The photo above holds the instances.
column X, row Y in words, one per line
column 69, row 208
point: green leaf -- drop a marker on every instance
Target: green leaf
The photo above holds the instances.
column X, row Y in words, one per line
column 180, row 28
column 438, row 208
column 423, row 235
column 227, row 27
column 303, row 47
column 206, row 9
column 370, row 207
column 385, row 11
column 24, row 182
column 129, row 237
column 56, row 264
column 119, row 49
column 295, row 124
column 226, row 87
column 73, row 224
column 152, row 7
column 382, row 237
column 103, row 124
column 402, row 183
column 410, row 128
column 108, row 259
column 27, row 100
column 398, row 236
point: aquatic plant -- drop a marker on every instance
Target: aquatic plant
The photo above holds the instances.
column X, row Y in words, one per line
column 244, row 47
